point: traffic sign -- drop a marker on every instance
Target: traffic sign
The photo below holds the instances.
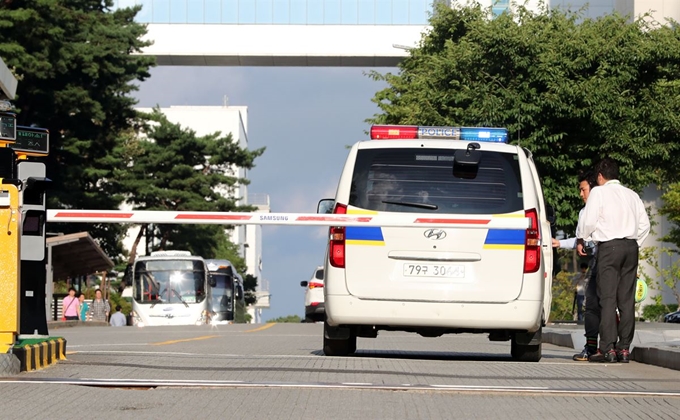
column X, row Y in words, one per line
column 8, row 127
column 32, row 141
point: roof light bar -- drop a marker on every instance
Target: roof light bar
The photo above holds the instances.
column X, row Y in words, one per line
column 413, row 132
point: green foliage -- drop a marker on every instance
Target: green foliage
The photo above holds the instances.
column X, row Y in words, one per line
column 249, row 288
column 60, row 287
column 665, row 270
column 656, row 312
column 116, row 299
column 289, row 318
column 228, row 250
column 77, row 62
column 562, row 297
column 571, row 90
column 671, row 209
column 241, row 316
column 173, row 169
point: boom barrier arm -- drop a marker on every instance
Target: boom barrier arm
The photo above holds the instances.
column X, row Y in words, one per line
column 291, row 219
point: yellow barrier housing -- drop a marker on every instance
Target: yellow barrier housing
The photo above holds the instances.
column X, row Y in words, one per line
column 9, row 265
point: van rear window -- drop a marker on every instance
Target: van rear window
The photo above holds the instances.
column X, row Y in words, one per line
column 425, row 180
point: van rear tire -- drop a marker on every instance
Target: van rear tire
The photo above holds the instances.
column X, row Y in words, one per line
column 339, row 347
column 525, row 353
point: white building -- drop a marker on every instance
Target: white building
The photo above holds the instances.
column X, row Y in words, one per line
column 206, row 120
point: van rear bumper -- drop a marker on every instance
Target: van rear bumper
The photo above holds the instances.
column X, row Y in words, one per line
column 516, row 315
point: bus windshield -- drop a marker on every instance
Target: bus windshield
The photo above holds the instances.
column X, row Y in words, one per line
column 169, row 281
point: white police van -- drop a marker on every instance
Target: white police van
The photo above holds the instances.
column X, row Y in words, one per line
column 487, row 269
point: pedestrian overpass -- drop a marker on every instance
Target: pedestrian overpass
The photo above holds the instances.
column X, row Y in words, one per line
column 329, row 33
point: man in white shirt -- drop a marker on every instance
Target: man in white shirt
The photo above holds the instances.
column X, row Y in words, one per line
column 616, row 220
column 118, row 318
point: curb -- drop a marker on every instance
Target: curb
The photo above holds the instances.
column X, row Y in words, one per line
column 657, row 356
column 38, row 356
column 70, row 324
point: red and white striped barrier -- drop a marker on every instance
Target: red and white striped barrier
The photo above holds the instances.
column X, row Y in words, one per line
column 291, row 219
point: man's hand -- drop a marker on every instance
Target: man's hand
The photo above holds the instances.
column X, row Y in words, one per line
column 581, row 248
column 555, row 243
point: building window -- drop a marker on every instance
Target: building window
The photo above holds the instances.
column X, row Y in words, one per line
column 500, row 6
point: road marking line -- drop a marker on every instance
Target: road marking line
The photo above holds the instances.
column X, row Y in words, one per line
column 508, row 390
column 205, row 337
column 264, row 327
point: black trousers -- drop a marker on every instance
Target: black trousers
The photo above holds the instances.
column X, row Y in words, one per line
column 592, row 313
column 617, row 262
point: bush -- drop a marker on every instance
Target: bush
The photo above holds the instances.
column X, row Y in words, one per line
column 289, row 318
column 655, row 313
column 562, row 297
column 116, row 299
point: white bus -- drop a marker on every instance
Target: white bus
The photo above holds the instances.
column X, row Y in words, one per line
column 170, row 288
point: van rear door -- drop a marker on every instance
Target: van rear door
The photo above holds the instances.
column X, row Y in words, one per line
column 480, row 260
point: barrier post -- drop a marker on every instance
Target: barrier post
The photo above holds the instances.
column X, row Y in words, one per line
column 33, row 273
column 9, row 265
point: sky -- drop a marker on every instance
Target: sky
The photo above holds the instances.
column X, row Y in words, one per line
column 305, row 117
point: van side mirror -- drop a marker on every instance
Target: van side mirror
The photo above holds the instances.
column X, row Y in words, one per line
column 304, row 283
column 211, row 280
column 239, row 292
column 550, row 214
column 325, row 206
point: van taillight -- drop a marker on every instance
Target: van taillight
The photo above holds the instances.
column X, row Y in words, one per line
column 337, row 240
column 532, row 244
column 314, row 285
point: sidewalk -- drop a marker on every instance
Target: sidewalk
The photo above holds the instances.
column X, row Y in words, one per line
column 654, row 343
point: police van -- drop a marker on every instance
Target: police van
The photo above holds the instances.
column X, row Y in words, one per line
column 476, row 258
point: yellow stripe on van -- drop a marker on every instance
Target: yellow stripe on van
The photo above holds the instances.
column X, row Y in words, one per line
column 510, row 215
column 361, row 211
column 497, row 246
column 360, row 242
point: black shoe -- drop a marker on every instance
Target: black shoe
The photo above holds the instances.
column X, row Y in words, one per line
column 608, row 357
column 584, row 355
column 623, row 356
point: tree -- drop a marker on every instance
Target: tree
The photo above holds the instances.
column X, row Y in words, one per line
column 249, row 289
column 76, row 61
column 569, row 89
column 173, row 169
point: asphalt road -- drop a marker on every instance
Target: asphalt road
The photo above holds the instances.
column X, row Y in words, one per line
column 277, row 371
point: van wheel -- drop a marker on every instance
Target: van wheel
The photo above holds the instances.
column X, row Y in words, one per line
column 525, row 353
column 339, row 347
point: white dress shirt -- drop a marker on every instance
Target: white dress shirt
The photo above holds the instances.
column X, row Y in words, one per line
column 570, row 243
column 613, row 212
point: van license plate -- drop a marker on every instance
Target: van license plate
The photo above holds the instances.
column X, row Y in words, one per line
column 434, row 270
